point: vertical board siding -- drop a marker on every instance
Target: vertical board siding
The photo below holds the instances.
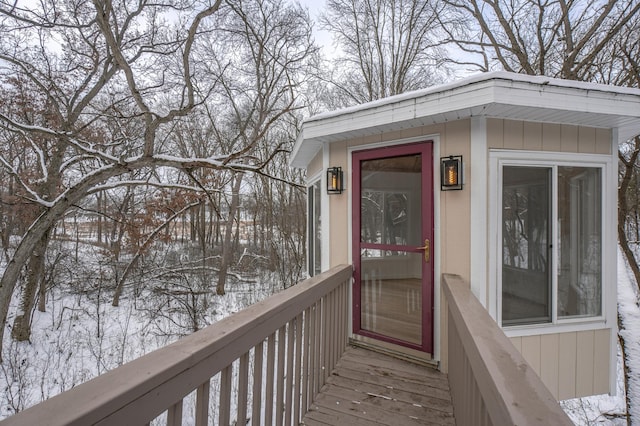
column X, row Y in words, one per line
column 603, row 141
column 549, row 365
column 569, row 138
column 535, row 136
column 495, row 133
column 513, row 134
column 572, row 364
column 587, row 140
column 601, row 361
column 567, row 360
column 584, row 362
column 551, row 137
column 532, row 136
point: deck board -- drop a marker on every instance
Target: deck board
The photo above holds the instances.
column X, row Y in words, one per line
column 369, row 388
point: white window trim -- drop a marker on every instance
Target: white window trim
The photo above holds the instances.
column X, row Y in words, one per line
column 500, row 158
column 310, row 183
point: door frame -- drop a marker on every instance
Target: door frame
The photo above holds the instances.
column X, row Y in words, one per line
column 430, row 335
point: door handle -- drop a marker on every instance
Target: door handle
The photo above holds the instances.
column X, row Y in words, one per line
column 427, row 250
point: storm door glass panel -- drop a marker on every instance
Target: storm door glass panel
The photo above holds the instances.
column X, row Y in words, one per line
column 390, row 225
column 526, row 269
column 579, row 241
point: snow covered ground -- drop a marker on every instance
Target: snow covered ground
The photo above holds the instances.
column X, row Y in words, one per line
column 610, row 410
column 82, row 335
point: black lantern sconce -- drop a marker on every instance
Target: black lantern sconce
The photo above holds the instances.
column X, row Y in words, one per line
column 335, row 183
column 451, row 172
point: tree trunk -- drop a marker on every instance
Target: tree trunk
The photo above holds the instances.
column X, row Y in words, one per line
column 227, row 248
column 21, row 330
column 629, row 169
column 623, row 207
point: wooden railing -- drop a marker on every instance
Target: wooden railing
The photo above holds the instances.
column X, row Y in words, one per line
column 490, row 381
column 268, row 361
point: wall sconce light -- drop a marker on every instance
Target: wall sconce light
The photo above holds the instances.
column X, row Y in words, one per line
column 335, row 184
column 451, row 172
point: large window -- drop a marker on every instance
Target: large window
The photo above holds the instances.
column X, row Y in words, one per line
column 551, row 242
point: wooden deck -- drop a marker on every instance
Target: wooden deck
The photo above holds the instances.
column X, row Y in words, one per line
column 368, row 388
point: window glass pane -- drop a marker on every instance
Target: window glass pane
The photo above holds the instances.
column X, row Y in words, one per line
column 579, row 241
column 390, row 200
column 526, row 278
column 391, row 295
column 315, row 240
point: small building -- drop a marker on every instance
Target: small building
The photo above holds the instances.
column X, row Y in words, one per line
column 509, row 181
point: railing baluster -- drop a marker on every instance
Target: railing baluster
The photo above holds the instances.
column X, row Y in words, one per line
column 324, row 339
column 288, row 389
column 333, row 336
column 306, row 361
column 282, row 343
column 317, row 362
column 256, row 404
column 341, row 319
column 346, row 288
column 202, row 403
column 243, row 389
column 174, row 414
column 298, row 389
column 271, row 355
column 225, row 395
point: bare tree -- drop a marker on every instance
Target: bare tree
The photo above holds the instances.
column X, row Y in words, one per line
column 272, row 44
column 557, row 38
column 115, row 78
column 384, row 47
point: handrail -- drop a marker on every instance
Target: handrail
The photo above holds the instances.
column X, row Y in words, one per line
column 490, row 381
column 303, row 329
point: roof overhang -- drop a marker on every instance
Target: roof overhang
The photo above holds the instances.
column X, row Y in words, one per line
column 496, row 95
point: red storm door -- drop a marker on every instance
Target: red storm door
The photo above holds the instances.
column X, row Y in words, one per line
column 393, row 244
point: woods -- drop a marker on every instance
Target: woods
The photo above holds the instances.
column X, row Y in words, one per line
column 138, row 116
column 153, row 137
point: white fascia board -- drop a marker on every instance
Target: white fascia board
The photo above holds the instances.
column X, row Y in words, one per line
column 498, row 95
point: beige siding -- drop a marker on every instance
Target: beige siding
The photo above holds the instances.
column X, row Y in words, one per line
column 455, row 206
column 571, row 364
column 534, row 136
column 551, row 137
column 603, row 141
column 338, row 205
column 315, row 166
column 549, row 365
